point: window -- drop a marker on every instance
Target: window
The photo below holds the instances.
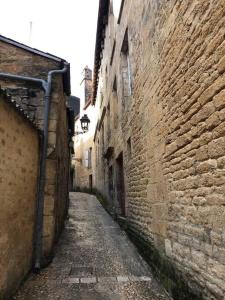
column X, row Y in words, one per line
column 106, row 76
column 125, row 68
column 129, row 150
column 97, row 154
column 115, row 104
column 88, row 158
column 113, row 52
column 111, row 184
column 108, row 123
column 101, row 98
column 103, row 139
column 115, row 85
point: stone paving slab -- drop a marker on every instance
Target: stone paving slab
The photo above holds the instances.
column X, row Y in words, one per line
column 94, row 260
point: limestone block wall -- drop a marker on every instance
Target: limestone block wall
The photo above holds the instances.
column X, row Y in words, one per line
column 30, row 97
column 19, row 162
column 174, row 171
column 63, row 165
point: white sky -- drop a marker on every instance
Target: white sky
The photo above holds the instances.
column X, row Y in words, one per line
column 64, row 28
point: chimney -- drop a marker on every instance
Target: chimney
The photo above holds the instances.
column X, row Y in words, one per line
column 87, row 85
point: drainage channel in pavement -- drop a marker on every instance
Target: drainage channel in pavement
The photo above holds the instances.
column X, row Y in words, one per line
column 90, row 280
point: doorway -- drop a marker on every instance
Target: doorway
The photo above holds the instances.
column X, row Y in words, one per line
column 90, row 182
column 111, row 185
column 120, row 188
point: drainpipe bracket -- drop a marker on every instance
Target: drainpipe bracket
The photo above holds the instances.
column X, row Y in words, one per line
column 51, row 152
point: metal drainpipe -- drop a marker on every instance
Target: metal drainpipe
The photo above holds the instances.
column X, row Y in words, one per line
column 47, row 87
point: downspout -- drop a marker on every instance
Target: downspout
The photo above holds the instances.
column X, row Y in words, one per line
column 47, row 87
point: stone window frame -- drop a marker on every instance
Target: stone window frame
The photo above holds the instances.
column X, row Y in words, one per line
column 115, row 105
column 87, row 162
column 90, row 158
column 125, row 70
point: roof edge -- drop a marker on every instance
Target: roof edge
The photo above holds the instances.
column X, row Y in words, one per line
column 101, row 24
column 61, row 61
column 30, row 49
column 18, row 109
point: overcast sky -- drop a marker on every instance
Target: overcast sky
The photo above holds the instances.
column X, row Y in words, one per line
column 65, row 28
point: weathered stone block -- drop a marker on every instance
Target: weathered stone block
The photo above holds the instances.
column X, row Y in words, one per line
column 206, row 166
column 49, row 205
column 216, row 148
column 48, row 226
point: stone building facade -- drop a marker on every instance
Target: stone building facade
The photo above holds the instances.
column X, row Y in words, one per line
column 19, row 164
column 159, row 85
column 20, row 60
column 84, row 150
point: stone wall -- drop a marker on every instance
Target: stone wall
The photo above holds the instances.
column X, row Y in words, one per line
column 63, row 167
column 30, row 97
column 82, row 171
column 170, row 132
column 19, row 163
column 19, row 61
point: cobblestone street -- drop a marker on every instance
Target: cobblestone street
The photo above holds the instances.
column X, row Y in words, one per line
column 94, row 260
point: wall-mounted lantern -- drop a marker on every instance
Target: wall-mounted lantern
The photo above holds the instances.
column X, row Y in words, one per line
column 85, row 121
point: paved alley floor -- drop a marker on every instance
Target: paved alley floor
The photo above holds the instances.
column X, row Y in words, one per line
column 94, row 260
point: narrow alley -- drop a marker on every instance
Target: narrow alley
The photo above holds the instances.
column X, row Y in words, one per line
column 94, row 260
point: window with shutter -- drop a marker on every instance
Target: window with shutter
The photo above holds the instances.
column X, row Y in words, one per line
column 86, row 158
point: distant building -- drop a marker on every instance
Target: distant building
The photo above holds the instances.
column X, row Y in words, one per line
column 84, row 156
